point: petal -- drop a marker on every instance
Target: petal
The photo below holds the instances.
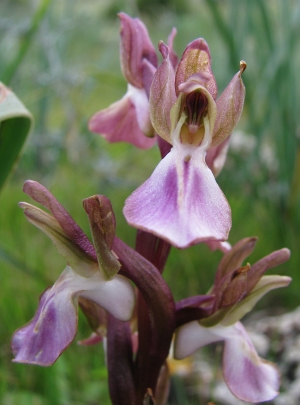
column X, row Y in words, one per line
column 181, row 202
column 121, row 121
column 196, row 59
column 134, row 47
column 192, row 84
column 274, row 259
column 217, row 245
column 141, row 103
column 54, row 325
column 216, row 157
column 172, row 54
column 72, row 231
column 193, row 308
column 236, row 289
column 162, row 95
column 80, row 261
column 103, row 225
column 191, row 337
column 148, row 74
column 265, row 284
column 51, row 330
column 248, row 376
column 234, row 258
column 229, row 107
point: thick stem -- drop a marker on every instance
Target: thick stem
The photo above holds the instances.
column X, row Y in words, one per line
column 156, row 317
column 120, row 363
column 156, row 251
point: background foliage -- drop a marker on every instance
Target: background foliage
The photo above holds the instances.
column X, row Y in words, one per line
column 61, row 58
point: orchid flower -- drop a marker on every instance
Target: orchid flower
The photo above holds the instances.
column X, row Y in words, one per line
column 181, row 201
column 128, row 119
column 91, row 274
column 236, row 290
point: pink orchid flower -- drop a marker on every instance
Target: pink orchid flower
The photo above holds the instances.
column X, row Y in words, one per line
column 235, row 292
column 91, row 274
column 128, row 119
column 181, row 202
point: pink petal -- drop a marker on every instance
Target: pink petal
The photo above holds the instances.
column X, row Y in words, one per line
column 196, row 59
column 217, row 245
column 235, row 257
column 216, row 157
column 229, row 107
column 51, row 330
column 135, row 46
column 73, row 232
column 124, row 122
column 181, row 202
column 274, row 259
column 173, row 55
column 249, row 377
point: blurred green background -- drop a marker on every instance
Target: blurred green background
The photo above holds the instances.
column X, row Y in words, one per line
column 61, row 57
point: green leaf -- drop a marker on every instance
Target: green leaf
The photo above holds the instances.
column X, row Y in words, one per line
column 15, row 125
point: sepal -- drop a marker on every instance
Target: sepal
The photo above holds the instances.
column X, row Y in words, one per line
column 162, row 95
column 126, row 120
column 229, row 107
column 103, row 225
column 196, row 59
column 265, row 284
column 135, row 46
column 74, row 255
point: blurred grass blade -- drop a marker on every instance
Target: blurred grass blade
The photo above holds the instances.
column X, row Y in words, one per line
column 225, row 31
column 25, row 42
column 20, row 265
column 15, row 124
column 267, row 23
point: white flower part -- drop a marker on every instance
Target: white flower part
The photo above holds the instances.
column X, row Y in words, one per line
column 187, row 151
column 115, row 295
column 141, row 103
column 191, row 337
